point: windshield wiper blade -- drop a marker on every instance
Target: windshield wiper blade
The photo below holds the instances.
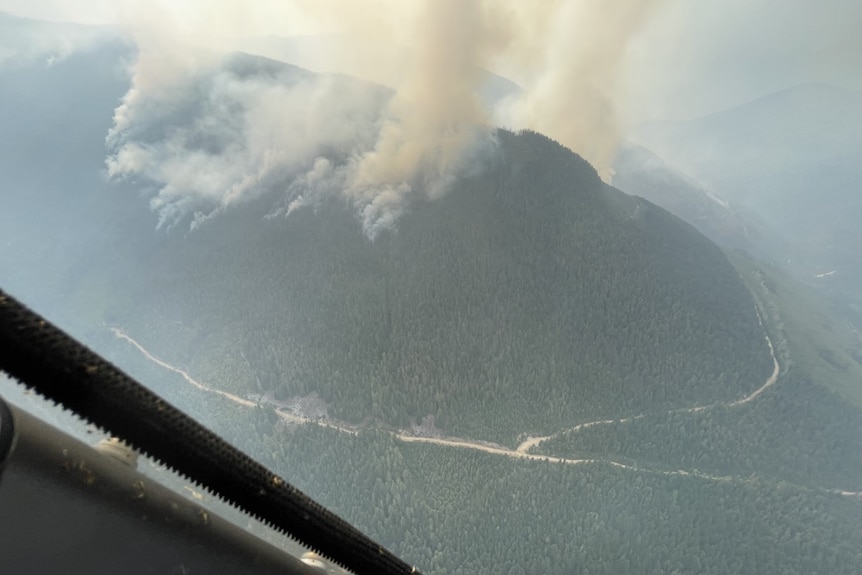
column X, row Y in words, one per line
column 52, row 363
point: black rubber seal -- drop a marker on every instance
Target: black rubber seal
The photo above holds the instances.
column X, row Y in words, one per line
column 7, row 433
column 47, row 360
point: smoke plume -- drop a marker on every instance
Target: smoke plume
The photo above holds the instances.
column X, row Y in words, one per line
column 208, row 134
column 436, row 117
column 573, row 75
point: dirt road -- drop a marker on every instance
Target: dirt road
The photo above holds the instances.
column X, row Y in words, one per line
column 460, row 443
column 531, row 442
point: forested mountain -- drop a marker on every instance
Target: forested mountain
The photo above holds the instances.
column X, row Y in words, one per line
column 805, row 429
column 770, row 148
column 640, row 172
column 529, row 298
column 476, row 513
column 791, row 158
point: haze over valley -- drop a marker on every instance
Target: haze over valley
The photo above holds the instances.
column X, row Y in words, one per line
column 465, row 276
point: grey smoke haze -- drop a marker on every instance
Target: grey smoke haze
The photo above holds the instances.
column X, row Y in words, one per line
column 209, row 136
column 247, row 135
column 574, row 98
column 692, row 58
column 588, row 69
column 566, row 54
column 23, row 42
column 698, row 58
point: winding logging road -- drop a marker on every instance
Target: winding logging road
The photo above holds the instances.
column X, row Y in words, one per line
column 521, row 452
column 531, row 442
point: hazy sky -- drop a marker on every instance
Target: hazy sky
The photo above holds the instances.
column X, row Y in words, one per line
column 691, row 58
column 698, row 57
column 589, row 71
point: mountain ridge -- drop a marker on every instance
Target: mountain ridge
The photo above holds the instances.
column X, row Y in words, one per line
column 431, row 259
column 529, row 279
column 529, row 299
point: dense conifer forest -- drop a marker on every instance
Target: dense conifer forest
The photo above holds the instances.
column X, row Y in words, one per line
column 798, row 432
column 457, row 511
column 530, row 298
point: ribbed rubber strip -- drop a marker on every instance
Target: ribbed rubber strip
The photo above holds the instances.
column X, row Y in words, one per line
column 52, row 363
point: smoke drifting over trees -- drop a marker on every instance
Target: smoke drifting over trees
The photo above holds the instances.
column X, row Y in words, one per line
column 208, row 135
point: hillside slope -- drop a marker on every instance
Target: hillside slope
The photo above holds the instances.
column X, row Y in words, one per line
column 791, row 158
column 640, row 172
column 531, row 297
column 804, row 429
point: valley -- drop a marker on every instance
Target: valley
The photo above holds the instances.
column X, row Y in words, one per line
column 521, row 452
column 489, row 355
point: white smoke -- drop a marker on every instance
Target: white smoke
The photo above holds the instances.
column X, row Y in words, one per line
column 571, row 55
column 208, row 135
column 210, row 132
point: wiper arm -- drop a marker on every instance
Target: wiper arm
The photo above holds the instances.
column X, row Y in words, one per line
column 44, row 358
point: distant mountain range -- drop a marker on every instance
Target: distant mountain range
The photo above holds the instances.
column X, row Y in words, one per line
column 669, row 389
column 643, row 173
column 790, row 160
column 531, row 296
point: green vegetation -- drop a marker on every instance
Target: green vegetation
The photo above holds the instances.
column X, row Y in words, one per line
column 530, row 298
column 799, row 430
column 452, row 511
column 795, row 431
column 517, row 304
column 813, row 336
column 460, row 511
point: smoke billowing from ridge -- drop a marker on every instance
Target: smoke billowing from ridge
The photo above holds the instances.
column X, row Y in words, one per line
column 573, row 98
column 210, row 132
column 208, row 135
